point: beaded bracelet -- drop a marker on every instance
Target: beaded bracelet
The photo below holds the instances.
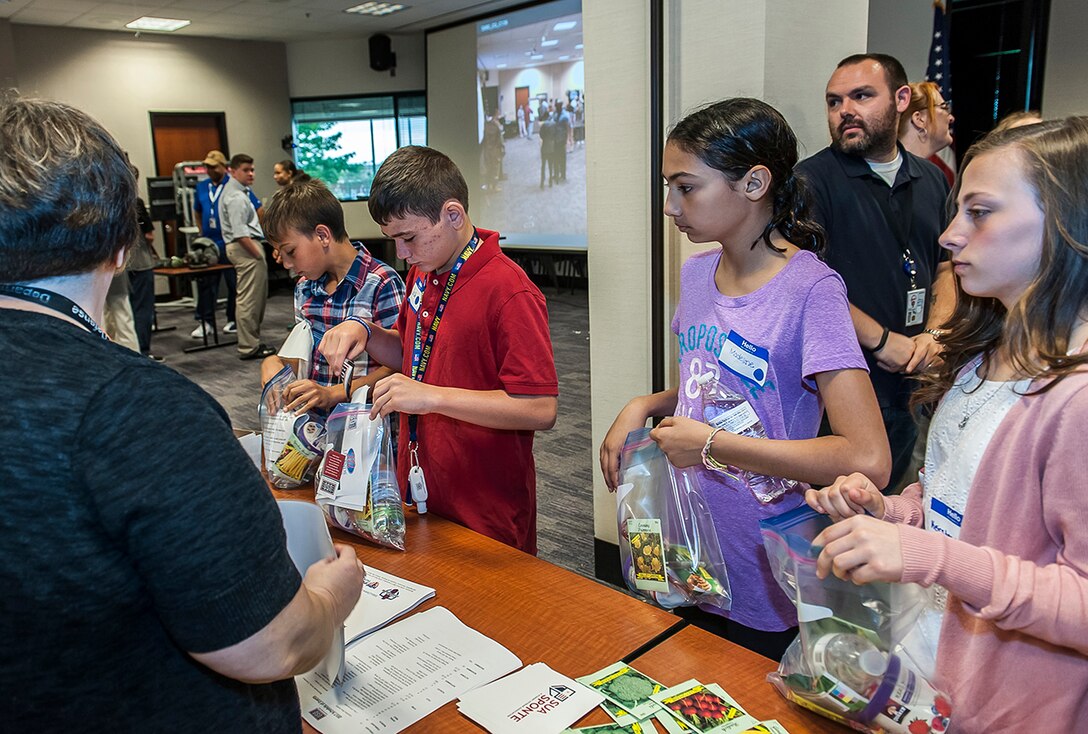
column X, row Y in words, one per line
column 709, row 461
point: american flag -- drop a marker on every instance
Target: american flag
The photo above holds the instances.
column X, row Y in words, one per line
column 940, row 68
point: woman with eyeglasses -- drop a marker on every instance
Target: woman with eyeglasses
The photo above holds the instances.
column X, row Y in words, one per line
column 925, row 127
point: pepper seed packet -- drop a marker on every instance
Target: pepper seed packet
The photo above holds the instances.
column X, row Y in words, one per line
column 647, row 554
column 618, row 714
column 635, row 728
column 626, row 687
column 705, row 709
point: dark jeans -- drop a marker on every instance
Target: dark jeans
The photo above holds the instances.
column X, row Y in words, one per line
column 768, row 644
column 207, row 292
column 142, row 297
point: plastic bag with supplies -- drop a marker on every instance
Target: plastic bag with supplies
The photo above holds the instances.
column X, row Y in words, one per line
column 356, row 483
column 293, row 441
column 668, row 547
column 858, row 658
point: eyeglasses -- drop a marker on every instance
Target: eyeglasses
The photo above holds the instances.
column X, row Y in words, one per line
column 946, row 105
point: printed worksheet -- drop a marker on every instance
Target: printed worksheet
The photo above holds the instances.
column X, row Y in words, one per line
column 399, row 674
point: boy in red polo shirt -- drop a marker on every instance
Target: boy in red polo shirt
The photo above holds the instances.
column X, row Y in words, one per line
column 472, row 344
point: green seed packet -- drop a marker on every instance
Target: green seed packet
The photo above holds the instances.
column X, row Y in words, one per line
column 626, row 687
column 705, row 709
column 618, row 714
column 672, row 724
column 635, row 728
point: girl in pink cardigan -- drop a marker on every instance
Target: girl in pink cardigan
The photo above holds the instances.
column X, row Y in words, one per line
column 999, row 519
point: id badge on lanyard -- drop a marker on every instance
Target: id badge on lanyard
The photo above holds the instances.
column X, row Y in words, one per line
column 916, row 297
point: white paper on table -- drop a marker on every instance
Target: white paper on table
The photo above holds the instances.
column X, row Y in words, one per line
column 308, row 541
column 299, row 345
column 399, row 674
column 251, row 442
column 385, row 597
column 535, row 700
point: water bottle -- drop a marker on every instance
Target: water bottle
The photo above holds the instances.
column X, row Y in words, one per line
column 851, row 659
column 723, row 408
column 876, row 688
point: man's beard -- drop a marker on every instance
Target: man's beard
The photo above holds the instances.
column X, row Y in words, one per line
column 877, row 136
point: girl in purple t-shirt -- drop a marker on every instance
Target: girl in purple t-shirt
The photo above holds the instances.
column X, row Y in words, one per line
column 729, row 171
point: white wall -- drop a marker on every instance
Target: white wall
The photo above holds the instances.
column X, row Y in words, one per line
column 1064, row 90
column 341, row 67
column 119, row 79
column 338, row 67
column 551, row 79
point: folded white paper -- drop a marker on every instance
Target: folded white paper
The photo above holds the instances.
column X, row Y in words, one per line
column 299, row 345
column 308, row 541
column 385, row 597
column 535, row 700
column 251, row 442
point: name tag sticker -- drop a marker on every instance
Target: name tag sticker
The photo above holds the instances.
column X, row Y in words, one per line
column 942, row 518
column 744, row 359
column 415, row 298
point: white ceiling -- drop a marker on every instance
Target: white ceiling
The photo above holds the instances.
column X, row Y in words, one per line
column 268, row 20
column 515, row 48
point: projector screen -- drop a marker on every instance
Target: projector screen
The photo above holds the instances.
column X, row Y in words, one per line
column 506, row 101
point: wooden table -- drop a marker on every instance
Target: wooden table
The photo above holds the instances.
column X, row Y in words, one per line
column 187, row 272
column 695, row 653
column 537, row 610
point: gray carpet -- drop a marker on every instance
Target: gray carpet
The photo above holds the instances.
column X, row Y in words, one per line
column 563, row 455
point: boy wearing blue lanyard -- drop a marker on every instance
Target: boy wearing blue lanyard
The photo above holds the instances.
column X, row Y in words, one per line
column 473, row 347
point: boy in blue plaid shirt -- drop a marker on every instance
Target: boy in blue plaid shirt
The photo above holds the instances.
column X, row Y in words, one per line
column 340, row 280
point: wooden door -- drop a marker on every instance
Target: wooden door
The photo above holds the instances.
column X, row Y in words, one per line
column 184, row 136
column 521, row 97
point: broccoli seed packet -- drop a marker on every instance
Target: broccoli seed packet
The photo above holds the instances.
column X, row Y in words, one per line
column 626, row 687
column 705, row 709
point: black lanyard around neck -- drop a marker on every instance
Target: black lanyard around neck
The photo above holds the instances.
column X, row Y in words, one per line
column 54, row 302
column 899, row 223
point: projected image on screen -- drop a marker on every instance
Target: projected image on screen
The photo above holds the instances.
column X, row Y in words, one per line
column 531, row 127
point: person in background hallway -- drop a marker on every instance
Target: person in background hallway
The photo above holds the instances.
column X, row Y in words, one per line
column 883, row 209
column 141, row 276
column 206, row 208
column 147, row 584
column 285, row 172
column 559, row 142
column 925, row 127
column 243, row 235
column 547, row 147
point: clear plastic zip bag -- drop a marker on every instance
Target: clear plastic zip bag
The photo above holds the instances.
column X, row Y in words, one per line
column 668, row 546
column 356, row 483
column 856, row 659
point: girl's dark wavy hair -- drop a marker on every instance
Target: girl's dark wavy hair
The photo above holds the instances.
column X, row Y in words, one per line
column 737, row 134
column 1035, row 332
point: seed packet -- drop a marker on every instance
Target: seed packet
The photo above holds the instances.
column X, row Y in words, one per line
column 635, row 728
column 618, row 714
column 706, row 709
column 626, row 687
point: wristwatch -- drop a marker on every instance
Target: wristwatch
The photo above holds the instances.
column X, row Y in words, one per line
column 936, row 333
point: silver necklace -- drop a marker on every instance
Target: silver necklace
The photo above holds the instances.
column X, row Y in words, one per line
column 969, row 414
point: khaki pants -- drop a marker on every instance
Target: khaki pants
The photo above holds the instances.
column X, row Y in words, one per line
column 252, row 296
